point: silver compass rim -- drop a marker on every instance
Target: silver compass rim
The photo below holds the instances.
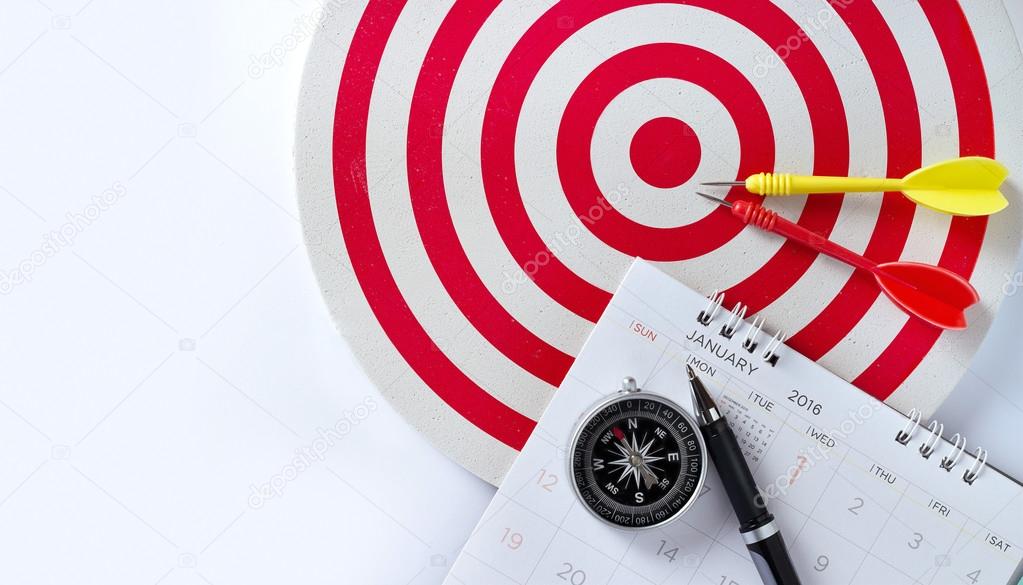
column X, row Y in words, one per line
column 622, row 396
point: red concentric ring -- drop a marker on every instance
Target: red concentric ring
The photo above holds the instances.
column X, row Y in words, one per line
column 814, row 79
column 359, row 231
column 429, row 202
column 975, row 117
column 591, row 98
column 902, row 128
column 524, row 62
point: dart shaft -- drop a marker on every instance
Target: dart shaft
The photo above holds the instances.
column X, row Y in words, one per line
column 756, row 215
column 932, row 293
column 786, row 184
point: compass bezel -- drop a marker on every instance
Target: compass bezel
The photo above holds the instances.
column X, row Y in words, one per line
column 638, row 394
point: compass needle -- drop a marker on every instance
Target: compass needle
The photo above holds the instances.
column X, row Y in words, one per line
column 624, row 450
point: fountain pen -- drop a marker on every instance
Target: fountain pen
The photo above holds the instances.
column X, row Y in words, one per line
column 756, row 524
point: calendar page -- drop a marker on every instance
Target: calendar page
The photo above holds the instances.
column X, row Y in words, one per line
column 854, row 505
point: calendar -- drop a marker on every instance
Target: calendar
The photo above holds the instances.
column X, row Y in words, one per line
column 863, row 494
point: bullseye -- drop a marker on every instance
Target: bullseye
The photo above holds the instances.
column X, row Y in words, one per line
column 627, row 69
column 665, row 152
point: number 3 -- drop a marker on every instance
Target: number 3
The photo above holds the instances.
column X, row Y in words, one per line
column 915, row 543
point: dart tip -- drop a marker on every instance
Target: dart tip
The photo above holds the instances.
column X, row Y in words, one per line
column 724, row 184
column 714, row 199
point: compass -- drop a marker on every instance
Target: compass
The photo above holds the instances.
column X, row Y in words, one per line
column 638, row 460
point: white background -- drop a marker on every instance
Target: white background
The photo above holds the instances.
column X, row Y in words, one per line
column 172, row 350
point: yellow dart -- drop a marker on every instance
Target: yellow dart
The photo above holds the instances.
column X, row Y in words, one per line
column 962, row 186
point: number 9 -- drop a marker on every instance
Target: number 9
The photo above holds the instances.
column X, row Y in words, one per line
column 822, row 563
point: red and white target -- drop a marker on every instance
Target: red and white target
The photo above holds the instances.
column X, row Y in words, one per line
column 476, row 176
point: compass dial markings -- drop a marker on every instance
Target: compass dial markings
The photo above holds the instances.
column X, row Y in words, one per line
column 632, row 458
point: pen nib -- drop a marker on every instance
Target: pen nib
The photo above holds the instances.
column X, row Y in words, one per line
column 704, row 408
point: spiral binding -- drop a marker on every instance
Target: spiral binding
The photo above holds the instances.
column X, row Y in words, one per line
column 930, row 443
column 713, row 306
column 906, row 434
column 734, row 320
column 749, row 341
column 959, row 445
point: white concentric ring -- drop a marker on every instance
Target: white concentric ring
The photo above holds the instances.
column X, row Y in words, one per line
column 400, row 237
column 590, row 46
column 473, row 352
column 626, row 114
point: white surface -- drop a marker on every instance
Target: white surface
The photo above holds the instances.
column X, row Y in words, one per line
column 126, row 455
column 536, row 528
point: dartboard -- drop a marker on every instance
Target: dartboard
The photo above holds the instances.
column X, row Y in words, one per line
column 476, row 176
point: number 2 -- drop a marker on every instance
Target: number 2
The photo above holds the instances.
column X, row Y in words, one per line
column 858, row 503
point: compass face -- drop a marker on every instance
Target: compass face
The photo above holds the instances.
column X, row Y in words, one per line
column 638, row 461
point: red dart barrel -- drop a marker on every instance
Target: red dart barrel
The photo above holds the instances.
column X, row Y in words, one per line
column 765, row 219
column 932, row 293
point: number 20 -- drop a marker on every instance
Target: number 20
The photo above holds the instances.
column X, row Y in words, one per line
column 572, row 575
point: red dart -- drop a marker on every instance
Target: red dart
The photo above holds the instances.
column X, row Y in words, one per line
column 932, row 293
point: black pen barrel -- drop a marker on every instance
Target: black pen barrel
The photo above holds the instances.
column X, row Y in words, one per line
column 772, row 561
column 735, row 475
column 756, row 523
